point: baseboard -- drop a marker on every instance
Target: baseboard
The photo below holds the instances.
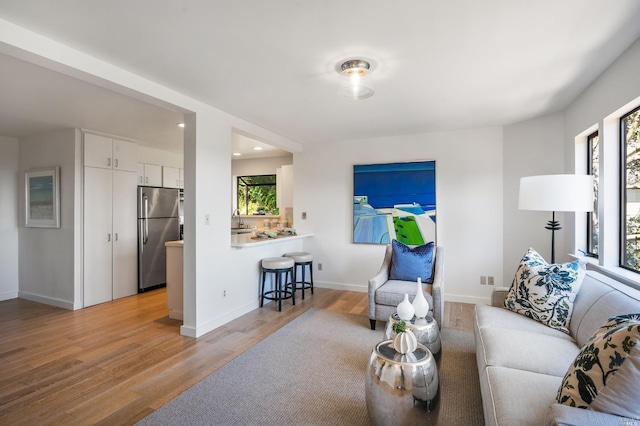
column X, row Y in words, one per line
column 59, row 303
column 340, row 286
column 8, row 295
column 218, row 321
column 467, row 299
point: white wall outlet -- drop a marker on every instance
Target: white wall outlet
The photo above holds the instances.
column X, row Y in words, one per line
column 207, row 219
column 483, row 280
column 319, row 266
column 490, row 280
column 224, row 293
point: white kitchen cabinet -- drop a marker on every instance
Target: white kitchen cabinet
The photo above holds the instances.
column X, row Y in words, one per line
column 149, row 174
column 98, row 236
column 170, row 177
column 284, row 186
column 108, row 153
column 110, row 235
column 125, row 155
column 125, row 234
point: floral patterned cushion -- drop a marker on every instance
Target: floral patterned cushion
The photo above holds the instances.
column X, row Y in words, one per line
column 545, row 292
column 606, row 373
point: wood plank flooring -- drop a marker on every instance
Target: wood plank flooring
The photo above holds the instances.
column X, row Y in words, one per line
column 116, row 362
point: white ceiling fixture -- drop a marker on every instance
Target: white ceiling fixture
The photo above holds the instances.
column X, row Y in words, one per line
column 353, row 84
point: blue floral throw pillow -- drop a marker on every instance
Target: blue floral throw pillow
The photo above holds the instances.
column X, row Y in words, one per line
column 408, row 263
column 545, row 292
column 605, row 375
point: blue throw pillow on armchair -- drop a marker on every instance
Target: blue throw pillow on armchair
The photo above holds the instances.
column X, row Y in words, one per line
column 408, row 263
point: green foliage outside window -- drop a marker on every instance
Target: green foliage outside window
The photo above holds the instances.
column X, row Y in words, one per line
column 257, row 194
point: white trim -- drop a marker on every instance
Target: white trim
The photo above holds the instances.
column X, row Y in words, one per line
column 218, row 321
column 339, row 286
column 59, row 303
column 8, row 295
column 474, row 300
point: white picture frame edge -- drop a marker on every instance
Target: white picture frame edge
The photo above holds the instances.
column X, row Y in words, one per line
column 54, row 221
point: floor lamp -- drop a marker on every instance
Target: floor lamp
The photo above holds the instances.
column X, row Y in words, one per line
column 556, row 193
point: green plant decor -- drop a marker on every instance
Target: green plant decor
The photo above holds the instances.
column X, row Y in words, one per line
column 399, row 327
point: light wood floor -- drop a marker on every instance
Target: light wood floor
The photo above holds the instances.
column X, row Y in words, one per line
column 117, row 362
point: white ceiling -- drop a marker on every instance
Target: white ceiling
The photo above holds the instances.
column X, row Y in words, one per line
column 437, row 65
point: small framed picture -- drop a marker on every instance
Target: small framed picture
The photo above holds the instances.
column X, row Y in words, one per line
column 42, row 198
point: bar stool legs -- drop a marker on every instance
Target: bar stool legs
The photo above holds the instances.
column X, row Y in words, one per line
column 302, row 260
column 282, row 269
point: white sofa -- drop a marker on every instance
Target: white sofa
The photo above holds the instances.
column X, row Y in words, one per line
column 522, row 362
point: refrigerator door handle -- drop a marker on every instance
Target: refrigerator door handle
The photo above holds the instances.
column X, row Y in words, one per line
column 140, row 238
column 146, row 218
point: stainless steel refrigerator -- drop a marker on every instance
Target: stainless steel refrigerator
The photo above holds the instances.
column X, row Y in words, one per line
column 158, row 222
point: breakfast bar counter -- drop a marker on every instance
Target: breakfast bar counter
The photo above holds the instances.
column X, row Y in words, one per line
column 240, row 241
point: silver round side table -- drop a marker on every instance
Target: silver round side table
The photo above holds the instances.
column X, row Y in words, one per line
column 426, row 331
column 402, row 389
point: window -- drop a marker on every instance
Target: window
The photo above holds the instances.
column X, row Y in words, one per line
column 257, row 194
column 630, row 188
column 593, row 168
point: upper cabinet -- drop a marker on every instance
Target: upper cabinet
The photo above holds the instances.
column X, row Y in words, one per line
column 107, row 153
column 172, row 177
column 149, row 174
column 284, row 186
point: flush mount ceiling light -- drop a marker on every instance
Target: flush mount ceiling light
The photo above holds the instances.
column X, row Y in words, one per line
column 353, row 73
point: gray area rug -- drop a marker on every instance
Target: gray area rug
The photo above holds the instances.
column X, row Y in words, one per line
column 312, row 372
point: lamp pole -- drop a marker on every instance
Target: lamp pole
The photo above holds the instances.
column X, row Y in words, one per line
column 554, row 226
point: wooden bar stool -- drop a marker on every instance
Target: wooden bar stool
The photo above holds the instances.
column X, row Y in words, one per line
column 302, row 260
column 282, row 270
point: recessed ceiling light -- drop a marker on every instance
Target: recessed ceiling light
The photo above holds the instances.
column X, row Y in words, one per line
column 180, row 124
column 257, row 148
column 237, row 154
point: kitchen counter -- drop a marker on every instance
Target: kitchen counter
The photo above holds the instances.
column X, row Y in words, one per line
column 247, row 241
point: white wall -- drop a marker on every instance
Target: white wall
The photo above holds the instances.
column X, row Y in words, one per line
column 161, row 158
column 614, row 93
column 259, row 166
column 49, row 269
column 533, row 147
column 9, row 276
column 468, row 199
column 547, row 145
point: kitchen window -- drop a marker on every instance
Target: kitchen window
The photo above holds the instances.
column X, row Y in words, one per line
column 257, row 194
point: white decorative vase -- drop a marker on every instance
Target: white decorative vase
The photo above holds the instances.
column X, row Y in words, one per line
column 405, row 342
column 406, row 309
column 420, row 304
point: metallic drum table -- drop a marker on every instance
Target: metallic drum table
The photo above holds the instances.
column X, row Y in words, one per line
column 402, row 389
column 426, row 331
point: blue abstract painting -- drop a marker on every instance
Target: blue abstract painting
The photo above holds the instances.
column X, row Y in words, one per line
column 394, row 201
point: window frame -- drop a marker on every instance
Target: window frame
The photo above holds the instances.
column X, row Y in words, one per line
column 589, row 248
column 623, row 192
column 238, row 190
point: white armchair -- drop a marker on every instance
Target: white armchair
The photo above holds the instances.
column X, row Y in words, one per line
column 385, row 294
